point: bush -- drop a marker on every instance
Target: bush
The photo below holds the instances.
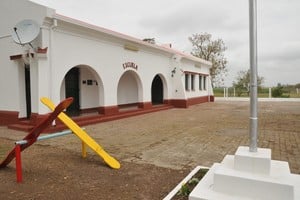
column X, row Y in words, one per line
column 277, row 92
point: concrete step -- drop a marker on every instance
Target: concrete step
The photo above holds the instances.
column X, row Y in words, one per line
column 253, row 185
column 90, row 119
column 21, row 127
column 226, row 181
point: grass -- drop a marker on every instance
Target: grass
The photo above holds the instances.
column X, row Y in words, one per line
column 188, row 187
column 220, row 93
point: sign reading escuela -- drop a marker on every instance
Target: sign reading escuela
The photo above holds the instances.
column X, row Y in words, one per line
column 130, row 65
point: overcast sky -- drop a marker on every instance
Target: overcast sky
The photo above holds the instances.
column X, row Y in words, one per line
column 171, row 21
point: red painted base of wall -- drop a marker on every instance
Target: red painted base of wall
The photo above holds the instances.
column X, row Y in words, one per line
column 109, row 110
column 8, row 117
column 179, row 103
column 145, row 105
column 11, row 117
column 185, row 103
column 35, row 118
column 90, row 110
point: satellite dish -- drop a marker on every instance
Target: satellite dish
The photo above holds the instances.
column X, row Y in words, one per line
column 25, row 31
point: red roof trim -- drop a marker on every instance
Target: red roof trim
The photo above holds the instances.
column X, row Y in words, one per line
column 15, row 57
column 44, row 50
column 19, row 56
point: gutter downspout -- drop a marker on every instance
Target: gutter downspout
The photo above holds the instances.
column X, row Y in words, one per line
column 209, row 87
column 51, row 46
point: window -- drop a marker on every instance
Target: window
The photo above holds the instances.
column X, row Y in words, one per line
column 200, row 82
column 204, row 82
column 192, row 82
column 187, row 82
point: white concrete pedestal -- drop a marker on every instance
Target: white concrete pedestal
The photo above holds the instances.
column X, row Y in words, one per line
column 258, row 162
column 248, row 176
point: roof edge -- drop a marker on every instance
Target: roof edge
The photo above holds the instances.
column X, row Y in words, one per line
column 129, row 38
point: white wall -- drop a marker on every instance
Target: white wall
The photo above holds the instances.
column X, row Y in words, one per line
column 107, row 59
column 177, row 82
column 89, row 94
column 71, row 45
column 106, row 56
column 191, row 67
column 9, row 77
column 12, row 83
column 14, row 11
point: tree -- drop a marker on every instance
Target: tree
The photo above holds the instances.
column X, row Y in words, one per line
column 242, row 83
column 277, row 91
column 211, row 50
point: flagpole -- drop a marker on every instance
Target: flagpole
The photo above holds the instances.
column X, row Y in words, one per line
column 253, row 132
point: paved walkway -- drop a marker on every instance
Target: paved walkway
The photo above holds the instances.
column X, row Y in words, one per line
column 200, row 135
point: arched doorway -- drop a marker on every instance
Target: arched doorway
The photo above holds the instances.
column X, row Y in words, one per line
column 157, row 91
column 129, row 89
column 72, row 90
column 84, row 84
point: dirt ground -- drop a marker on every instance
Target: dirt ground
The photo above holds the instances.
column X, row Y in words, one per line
column 156, row 151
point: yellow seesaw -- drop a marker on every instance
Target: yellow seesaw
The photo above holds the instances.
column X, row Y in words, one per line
column 84, row 137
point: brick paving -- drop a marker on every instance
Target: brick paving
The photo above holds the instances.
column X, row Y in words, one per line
column 200, row 135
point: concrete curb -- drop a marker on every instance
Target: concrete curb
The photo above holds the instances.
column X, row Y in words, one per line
column 184, row 181
column 259, row 99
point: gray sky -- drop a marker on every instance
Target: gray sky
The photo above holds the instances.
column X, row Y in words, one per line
column 170, row 21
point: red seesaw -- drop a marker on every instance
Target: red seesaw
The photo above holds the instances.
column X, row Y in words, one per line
column 32, row 138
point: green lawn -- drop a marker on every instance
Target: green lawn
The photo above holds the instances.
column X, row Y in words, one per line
column 219, row 92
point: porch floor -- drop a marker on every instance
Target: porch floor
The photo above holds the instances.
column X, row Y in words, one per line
column 92, row 118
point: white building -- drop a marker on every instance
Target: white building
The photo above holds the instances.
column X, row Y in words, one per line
column 103, row 70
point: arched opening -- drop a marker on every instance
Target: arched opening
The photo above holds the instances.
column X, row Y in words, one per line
column 129, row 87
column 72, row 90
column 85, row 86
column 157, row 91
